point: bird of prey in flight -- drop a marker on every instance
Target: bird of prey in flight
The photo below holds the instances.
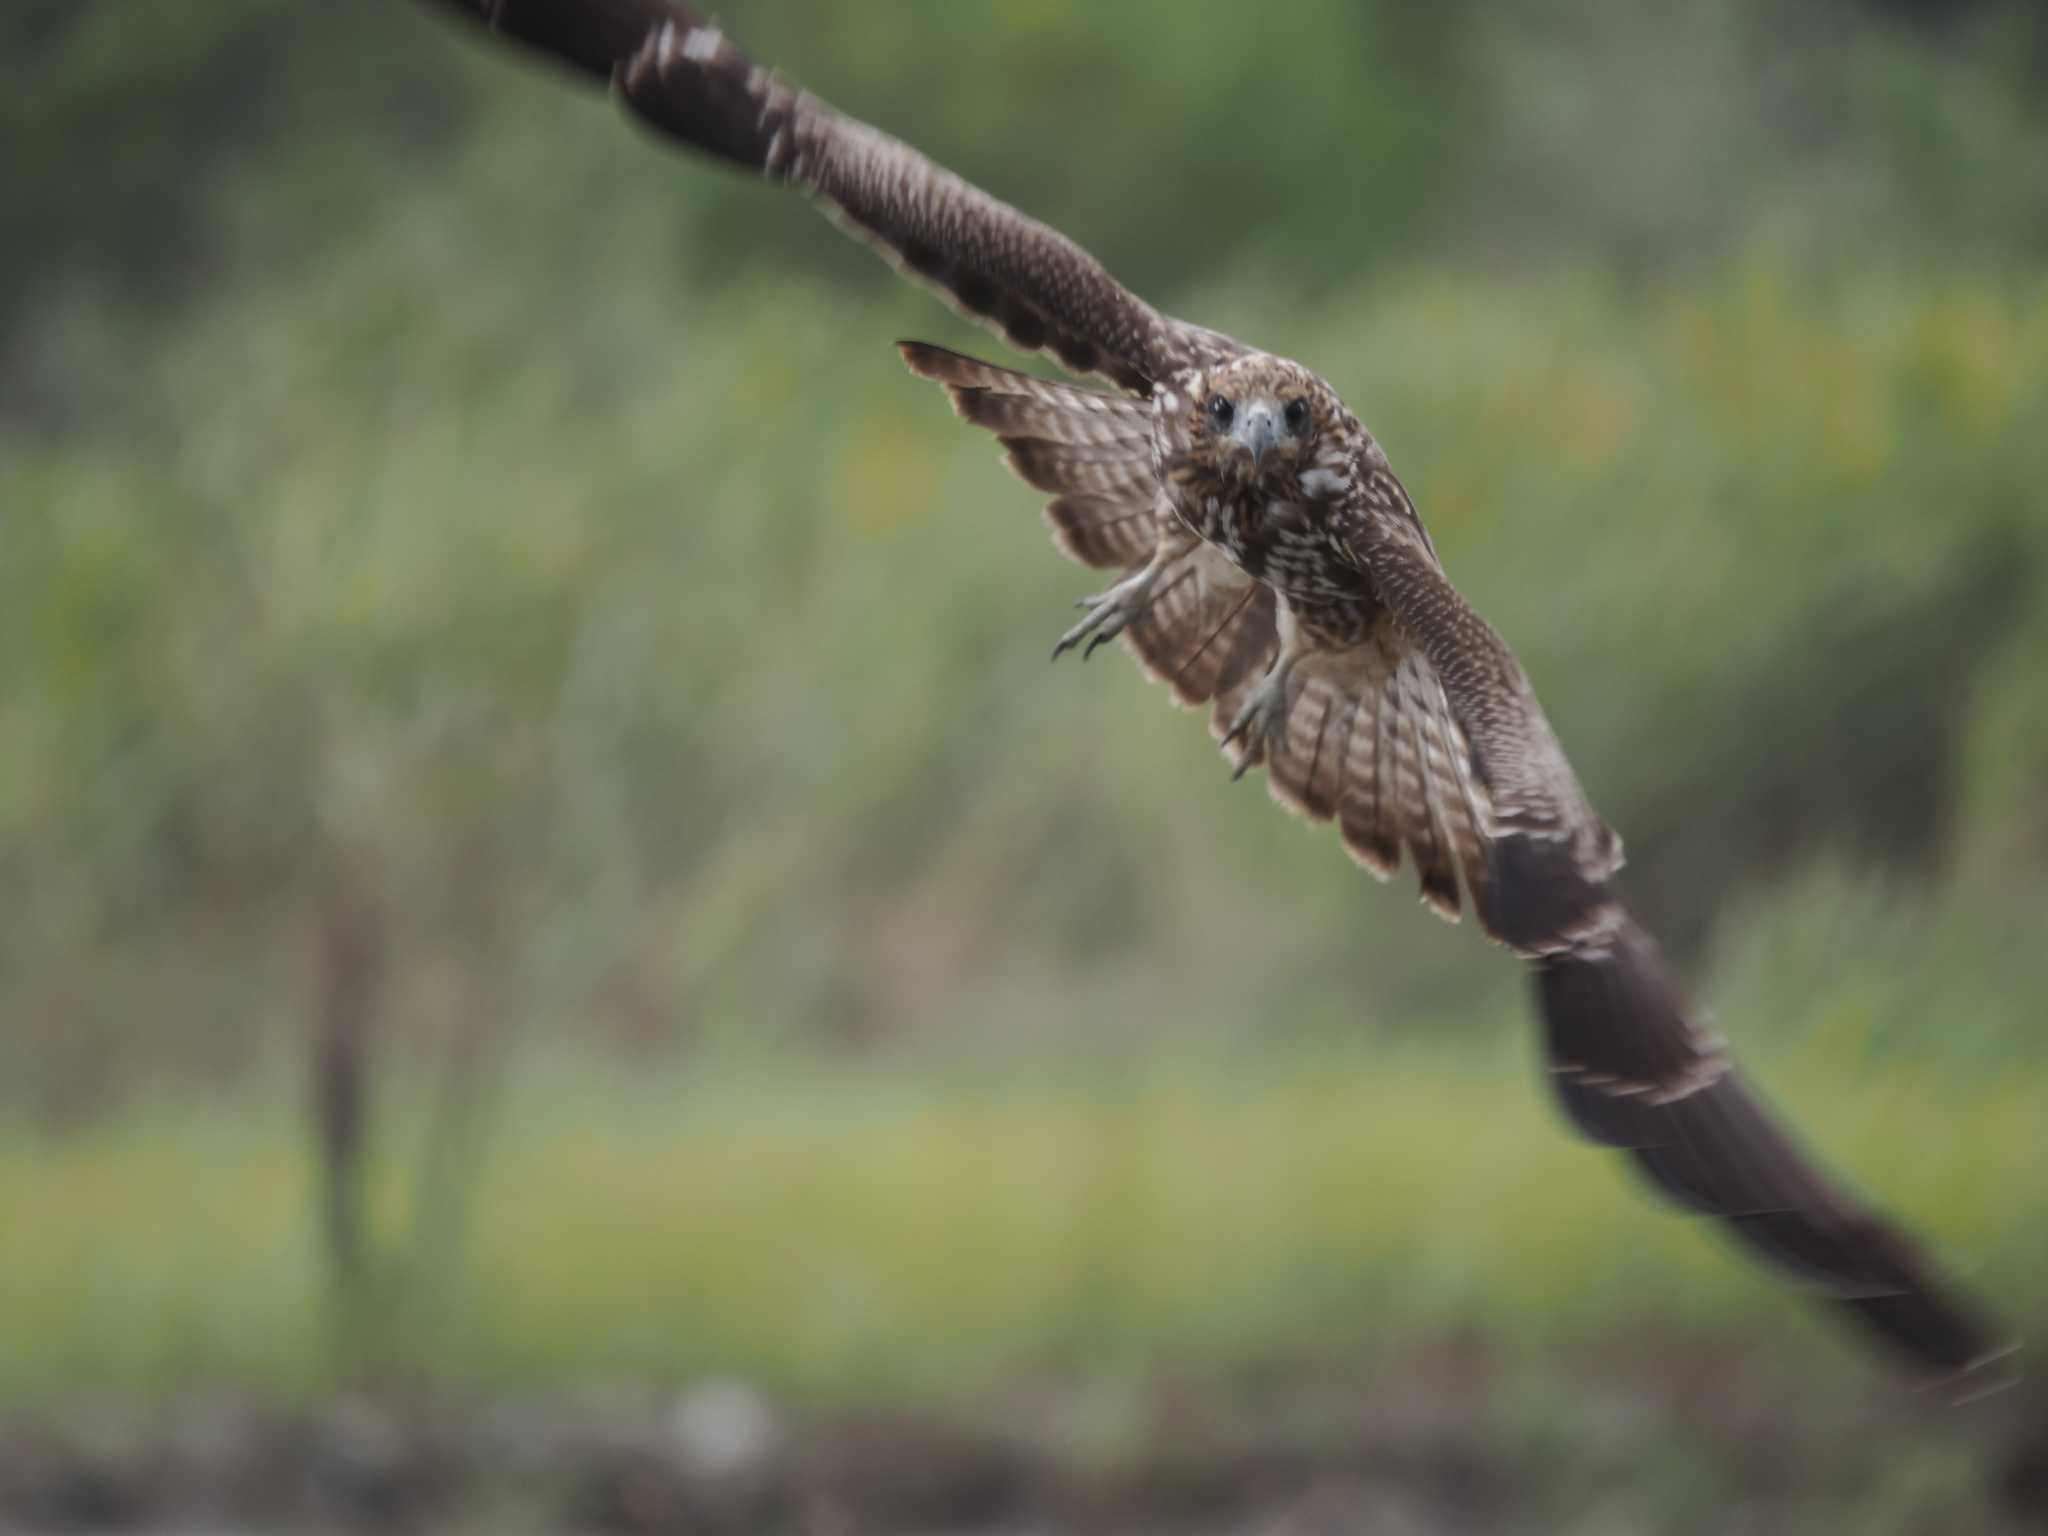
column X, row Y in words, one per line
column 1268, row 564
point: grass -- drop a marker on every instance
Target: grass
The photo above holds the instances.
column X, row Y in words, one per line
column 882, row 1232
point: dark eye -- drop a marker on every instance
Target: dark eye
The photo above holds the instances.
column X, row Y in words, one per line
column 1296, row 416
column 1221, row 411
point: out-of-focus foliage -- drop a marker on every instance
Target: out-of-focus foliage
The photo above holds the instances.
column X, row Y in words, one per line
column 861, row 1233
column 438, row 529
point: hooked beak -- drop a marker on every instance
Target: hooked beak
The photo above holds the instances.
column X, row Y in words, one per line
column 1256, row 430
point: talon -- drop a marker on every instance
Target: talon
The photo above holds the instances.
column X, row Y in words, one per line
column 1108, row 613
column 1249, row 714
column 1260, row 720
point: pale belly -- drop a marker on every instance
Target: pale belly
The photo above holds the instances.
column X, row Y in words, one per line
column 1330, row 598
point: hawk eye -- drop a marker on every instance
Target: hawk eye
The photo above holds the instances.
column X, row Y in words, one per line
column 1221, row 411
column 1296, row 416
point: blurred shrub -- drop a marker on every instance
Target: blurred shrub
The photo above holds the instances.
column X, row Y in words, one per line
column 531, row 537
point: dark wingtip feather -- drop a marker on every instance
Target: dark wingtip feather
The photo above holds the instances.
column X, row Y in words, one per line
column 1960, row 1352
column 1535, row 897
column 688, row 81
column 1635, row 1073
column 591, row 38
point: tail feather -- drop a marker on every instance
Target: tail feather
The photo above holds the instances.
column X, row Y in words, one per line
column 1306, row 770
column 1428, row 841
column 1209, row 624
column 1366, row 816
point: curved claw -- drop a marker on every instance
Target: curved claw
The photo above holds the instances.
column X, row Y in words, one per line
column 1254, row 749
column 1108, row 613
column 1260, row 719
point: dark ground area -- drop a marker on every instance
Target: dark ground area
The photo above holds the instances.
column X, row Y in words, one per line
column 1448, row 1443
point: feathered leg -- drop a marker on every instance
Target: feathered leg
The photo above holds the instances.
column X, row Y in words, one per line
column 1261, row 720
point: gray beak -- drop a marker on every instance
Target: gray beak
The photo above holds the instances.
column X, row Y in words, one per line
column 1257, row 429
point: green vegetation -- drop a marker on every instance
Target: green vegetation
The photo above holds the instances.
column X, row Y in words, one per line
column 460, row 559
column 840, row 1236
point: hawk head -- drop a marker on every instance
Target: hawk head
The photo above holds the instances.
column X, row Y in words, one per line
column 1264, row 423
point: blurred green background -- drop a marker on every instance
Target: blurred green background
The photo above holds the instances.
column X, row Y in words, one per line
column 539, row 841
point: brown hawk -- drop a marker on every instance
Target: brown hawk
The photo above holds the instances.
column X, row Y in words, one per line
column 1272, row 567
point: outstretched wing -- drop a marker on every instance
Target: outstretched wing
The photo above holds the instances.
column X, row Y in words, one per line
column 683, row 76
column 1090, row 448
column 1637, row 1072
column 1482, row 786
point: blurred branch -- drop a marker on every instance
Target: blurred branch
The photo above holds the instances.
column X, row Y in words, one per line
column 351, row 962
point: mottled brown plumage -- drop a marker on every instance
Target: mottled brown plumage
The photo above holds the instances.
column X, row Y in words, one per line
column 1274, row 569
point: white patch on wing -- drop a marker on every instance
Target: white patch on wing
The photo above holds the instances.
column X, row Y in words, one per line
column 701, row 44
